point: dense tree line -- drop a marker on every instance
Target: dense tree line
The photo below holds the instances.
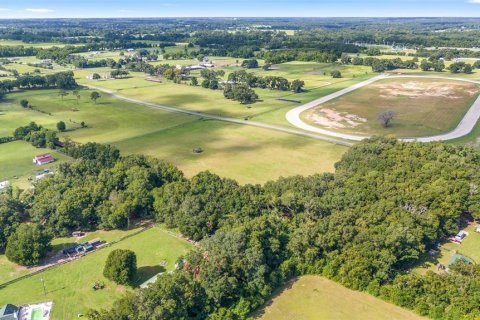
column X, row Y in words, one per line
column 37, row 135
column 282, row 56
column 61, row 80
column 364, row 226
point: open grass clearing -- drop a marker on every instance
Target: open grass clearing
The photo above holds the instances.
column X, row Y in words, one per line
column 423, row 107
column 235, row 151
column 69, row 286
column 317, row 298
column 10, row 270
column 247, row 154
column 8, row 42
column 468, row 248
column 16, row 163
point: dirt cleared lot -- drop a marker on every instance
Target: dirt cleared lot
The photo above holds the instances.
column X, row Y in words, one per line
column 423, row 107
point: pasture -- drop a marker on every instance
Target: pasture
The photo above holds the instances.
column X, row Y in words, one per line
column 235, row 151
column 317, row 298
column 69, row 286
column 422, row 107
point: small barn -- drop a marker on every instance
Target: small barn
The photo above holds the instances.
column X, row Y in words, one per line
column 43, row 159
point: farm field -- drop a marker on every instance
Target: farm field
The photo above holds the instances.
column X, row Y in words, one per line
column 69, row 286
column 317, row 298
column 422, row 107
column 234, row 151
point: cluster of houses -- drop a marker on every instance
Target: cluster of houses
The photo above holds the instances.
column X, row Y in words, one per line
column 103, row 76
column 203, row 65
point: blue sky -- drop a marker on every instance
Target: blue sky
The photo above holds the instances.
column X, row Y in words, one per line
column 237, row 8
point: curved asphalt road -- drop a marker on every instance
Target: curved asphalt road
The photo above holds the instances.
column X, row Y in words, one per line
column 222, row 118
column 464, row 127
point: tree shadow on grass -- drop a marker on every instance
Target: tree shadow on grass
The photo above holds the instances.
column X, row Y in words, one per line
column 278, row 292
column 146, row 272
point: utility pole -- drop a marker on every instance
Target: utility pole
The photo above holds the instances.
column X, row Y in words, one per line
column 44, row 289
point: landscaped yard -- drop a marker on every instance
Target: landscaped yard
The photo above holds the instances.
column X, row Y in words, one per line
column 69, row 286
column 317, row 298
column 422, row 107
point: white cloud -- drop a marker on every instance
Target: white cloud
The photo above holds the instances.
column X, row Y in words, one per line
column 124, row 10
column 5, row 9
column 39, row 10
column 474, row 1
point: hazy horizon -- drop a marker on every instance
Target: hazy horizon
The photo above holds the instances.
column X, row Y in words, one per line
column 29, row 9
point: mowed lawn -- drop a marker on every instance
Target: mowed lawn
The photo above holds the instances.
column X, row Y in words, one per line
column 10, row 270
column 422, row 107
column 69, row 286
column 317, row 298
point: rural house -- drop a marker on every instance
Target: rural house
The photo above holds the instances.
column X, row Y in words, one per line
column 8, row 312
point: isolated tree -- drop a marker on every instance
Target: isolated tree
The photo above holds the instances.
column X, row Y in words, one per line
column 468, row 68
column 63, row 94
column 425, row 65
column 28, row 244
column 121, row 266
column 476, row 64
column 385, row 118
column 94, row 96
column 96, row 76
column 438, row 66
column 194, row 81
column 24, row 103
column 250, row 64
column 76, row 94
column 336, row 74
column 61, row 126
column 297, row 86
column 266, row 66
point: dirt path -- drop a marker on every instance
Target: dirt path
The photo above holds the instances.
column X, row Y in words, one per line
column 203, row 115
column 464, row 127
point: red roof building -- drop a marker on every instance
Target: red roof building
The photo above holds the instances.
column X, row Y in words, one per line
column 43, row 159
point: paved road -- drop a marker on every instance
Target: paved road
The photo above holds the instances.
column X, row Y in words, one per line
column 464, row 127
column 222, row 118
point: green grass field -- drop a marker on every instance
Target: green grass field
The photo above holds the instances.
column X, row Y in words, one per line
column 317, row 298
column 10, row 271
column 249, row 154
column 469, row 248
column 16, row 161
column 422, row 107
column 69, row 286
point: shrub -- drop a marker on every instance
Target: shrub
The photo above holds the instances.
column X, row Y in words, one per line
column 121, row 266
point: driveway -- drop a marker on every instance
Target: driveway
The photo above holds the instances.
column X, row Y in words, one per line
column 464, row 127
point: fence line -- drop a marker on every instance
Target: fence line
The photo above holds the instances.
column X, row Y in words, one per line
column 109, row 244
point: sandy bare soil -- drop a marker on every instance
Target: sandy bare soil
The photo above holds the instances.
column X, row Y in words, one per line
column 333, row 119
